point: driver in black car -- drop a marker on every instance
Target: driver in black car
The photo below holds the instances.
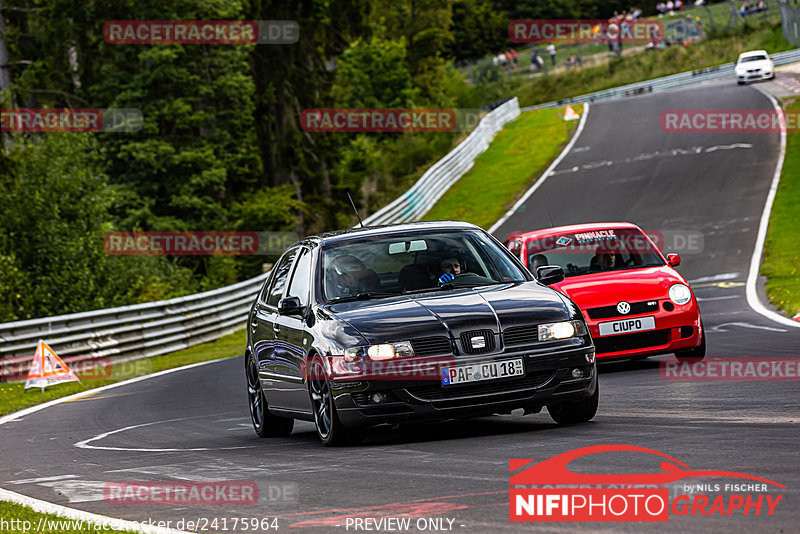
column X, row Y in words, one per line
column 449, row 267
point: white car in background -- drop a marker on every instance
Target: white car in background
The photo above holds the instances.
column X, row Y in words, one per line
column 755, row 65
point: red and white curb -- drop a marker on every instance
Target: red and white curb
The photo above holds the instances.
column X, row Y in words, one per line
column 788, row 82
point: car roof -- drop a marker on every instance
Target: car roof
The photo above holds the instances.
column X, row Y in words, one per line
column 754, row 53
column 558, row 230
column 388, row 229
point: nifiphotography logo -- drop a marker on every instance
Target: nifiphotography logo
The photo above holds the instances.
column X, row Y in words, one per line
column 549, row 491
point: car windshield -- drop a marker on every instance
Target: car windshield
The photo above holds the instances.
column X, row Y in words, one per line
column 596, row 251
column 752, row 58
column 394, row 264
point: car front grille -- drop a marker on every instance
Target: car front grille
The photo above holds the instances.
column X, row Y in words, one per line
column 471, row 344
column 623, row 342
column 436, row 391
column 521, row 335
column 432, row 346
column 607, row 312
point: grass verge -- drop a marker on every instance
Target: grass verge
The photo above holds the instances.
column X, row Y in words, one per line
column 18, row 518
column 781, row 248
column 512, row 163
column 13, row 396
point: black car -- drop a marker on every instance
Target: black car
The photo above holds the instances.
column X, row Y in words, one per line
column 388, row 324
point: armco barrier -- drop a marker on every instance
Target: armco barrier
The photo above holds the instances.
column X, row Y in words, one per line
column 658, row 85
column 130, row 332
column 144, row 330
column 418, row 200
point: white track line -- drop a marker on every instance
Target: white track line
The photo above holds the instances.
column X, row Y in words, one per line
column 755, row 261
column 546, row 173
column 74, row 513
column 105, row 522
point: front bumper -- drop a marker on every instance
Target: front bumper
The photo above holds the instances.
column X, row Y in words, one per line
column 548, row 379
column 754, row 76
column 675, row 330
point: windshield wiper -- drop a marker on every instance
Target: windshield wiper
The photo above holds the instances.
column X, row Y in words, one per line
column 364, row 296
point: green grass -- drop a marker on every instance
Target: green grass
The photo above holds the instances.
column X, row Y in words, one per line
column 782, row 248
column 512, row 163
column 13, row 396
column 51, row 523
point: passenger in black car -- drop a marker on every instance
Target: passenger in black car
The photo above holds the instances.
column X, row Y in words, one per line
column 349, row 276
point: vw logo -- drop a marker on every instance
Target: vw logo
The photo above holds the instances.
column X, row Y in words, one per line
column 624, row 308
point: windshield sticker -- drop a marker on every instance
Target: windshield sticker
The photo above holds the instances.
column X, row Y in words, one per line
column 599, row 235
column 563, row 241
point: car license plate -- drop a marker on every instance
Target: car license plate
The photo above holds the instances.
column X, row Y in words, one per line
column 478, row 372
column 626, row 326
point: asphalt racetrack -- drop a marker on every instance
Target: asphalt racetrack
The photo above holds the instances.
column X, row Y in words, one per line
column 193, row 425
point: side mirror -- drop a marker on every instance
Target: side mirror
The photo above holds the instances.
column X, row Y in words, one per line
column 674, row 259
column 549, row 274
column 290, row 306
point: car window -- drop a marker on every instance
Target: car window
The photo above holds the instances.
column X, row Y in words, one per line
column 397, row 263
column 753, row 58
column 594, row 251
column 279, row 280
column 300, row 283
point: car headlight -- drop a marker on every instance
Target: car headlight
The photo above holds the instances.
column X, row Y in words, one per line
column 680, row 294
column 561, row 330
column 380, row 352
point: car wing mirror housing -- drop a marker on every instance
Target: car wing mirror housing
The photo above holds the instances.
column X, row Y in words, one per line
column 674, row 259
column 290, row 306
column 549, row 274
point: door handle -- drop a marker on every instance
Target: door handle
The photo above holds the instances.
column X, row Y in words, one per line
column 254, row 325
column 276, row 328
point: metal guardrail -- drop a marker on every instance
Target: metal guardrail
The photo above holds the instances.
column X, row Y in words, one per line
column 130, row 332
column 665, row 83
column 417, row 201
column 790, row 21
column 144, row 330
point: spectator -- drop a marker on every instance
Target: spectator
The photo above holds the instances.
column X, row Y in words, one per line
column 515, row 58
column 537, row 63
column 670, row 7
column 678, row 5
column 551, row 49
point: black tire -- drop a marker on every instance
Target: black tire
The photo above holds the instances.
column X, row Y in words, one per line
column 265, row 424
column 579, row 411
column 330, row 430
column 696, row 354
column 740, row 83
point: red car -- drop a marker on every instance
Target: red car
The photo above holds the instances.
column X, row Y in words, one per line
column 634, row 301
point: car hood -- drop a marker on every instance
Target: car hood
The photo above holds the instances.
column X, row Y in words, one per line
column 609, row 288
column 452, row 312
column 763, row 64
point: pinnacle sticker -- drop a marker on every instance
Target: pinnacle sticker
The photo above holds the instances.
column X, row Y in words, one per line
column 599, row 235
column 563, row 241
